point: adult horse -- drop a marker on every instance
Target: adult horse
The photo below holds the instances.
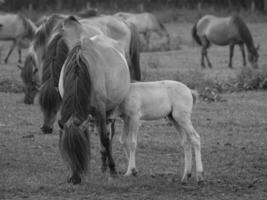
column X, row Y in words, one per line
column 146, row 24
column 89, row 84
column 60, row 44
column 225, row 31
column 31, row 72
column 18, row 29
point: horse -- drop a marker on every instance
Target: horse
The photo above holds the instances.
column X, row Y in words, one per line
column 155, row 100
column 18, row 29
column 59, row 46
column 30, row 72
column 225, row 31
column 146, row 24
column 89, row 84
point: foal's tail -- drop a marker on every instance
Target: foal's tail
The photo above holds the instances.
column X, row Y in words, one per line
column 134, row 53
column 56, row 55
column 195, row 35
column 74, row 144
column 194, row 95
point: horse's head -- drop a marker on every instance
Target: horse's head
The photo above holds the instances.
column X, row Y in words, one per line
column 253, row 56
column 30, row 78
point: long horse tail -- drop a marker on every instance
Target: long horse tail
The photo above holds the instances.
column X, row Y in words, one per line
column 194, row 95
column 73, row 144
column 56, row 55
column 134, row 53
column 195, row 35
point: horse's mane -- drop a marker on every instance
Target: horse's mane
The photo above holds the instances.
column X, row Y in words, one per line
column 77, row 86
column 29, row 25
column 45, row 29
column 56, row 55
column 243, row 31
column 27, row 71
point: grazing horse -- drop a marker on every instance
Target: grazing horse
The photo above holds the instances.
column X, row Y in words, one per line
column 89, row 84
column 225, row 31
column 59, row 46
column 18, row 29
column 31, row 72
column 146, row 23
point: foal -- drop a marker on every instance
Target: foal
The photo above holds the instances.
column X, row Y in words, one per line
column 155, row 100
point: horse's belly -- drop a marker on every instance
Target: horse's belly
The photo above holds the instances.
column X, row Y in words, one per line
column 219, row 37
column 155, row 108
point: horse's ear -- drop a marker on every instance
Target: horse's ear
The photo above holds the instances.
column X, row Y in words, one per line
column 19, row 66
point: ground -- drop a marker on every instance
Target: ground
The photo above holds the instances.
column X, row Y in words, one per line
column 233, row 135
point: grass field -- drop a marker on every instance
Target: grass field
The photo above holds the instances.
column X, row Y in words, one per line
column 233, row 134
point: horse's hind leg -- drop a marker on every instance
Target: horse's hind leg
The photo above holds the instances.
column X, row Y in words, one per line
column 184, row 121
column 231, row 54
column 187, row 152
column 242, row 49
column 10, row 51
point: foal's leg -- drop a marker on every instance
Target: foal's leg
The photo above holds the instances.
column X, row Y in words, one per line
column 10, row 51
column 187, row 153
column 124, row 136
column 242, row 49
column 195, row 140
column 131, row 143
column 231, row 48
column 185, row 123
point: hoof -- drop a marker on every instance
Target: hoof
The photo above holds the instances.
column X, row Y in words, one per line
column 113, row 174
column 230, row 66
column 185, row 179
column 134, row 172
column 46, row 130
column 75, row 179
column 131, row 172
column 200, row 178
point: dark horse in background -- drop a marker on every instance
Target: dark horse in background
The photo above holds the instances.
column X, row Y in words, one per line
column 94, row 80
column 225, row 31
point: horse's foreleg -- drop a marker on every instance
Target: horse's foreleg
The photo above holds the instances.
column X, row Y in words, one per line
column 131, row 143
column 10, row 51
column 231, row 54
column 105, row 144
column 242, row 49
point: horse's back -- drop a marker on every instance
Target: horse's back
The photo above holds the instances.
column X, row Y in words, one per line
column 156, row 99
column 108, row 68
column 218, row 30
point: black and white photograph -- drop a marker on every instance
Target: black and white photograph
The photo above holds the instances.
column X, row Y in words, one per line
column 133, row 99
